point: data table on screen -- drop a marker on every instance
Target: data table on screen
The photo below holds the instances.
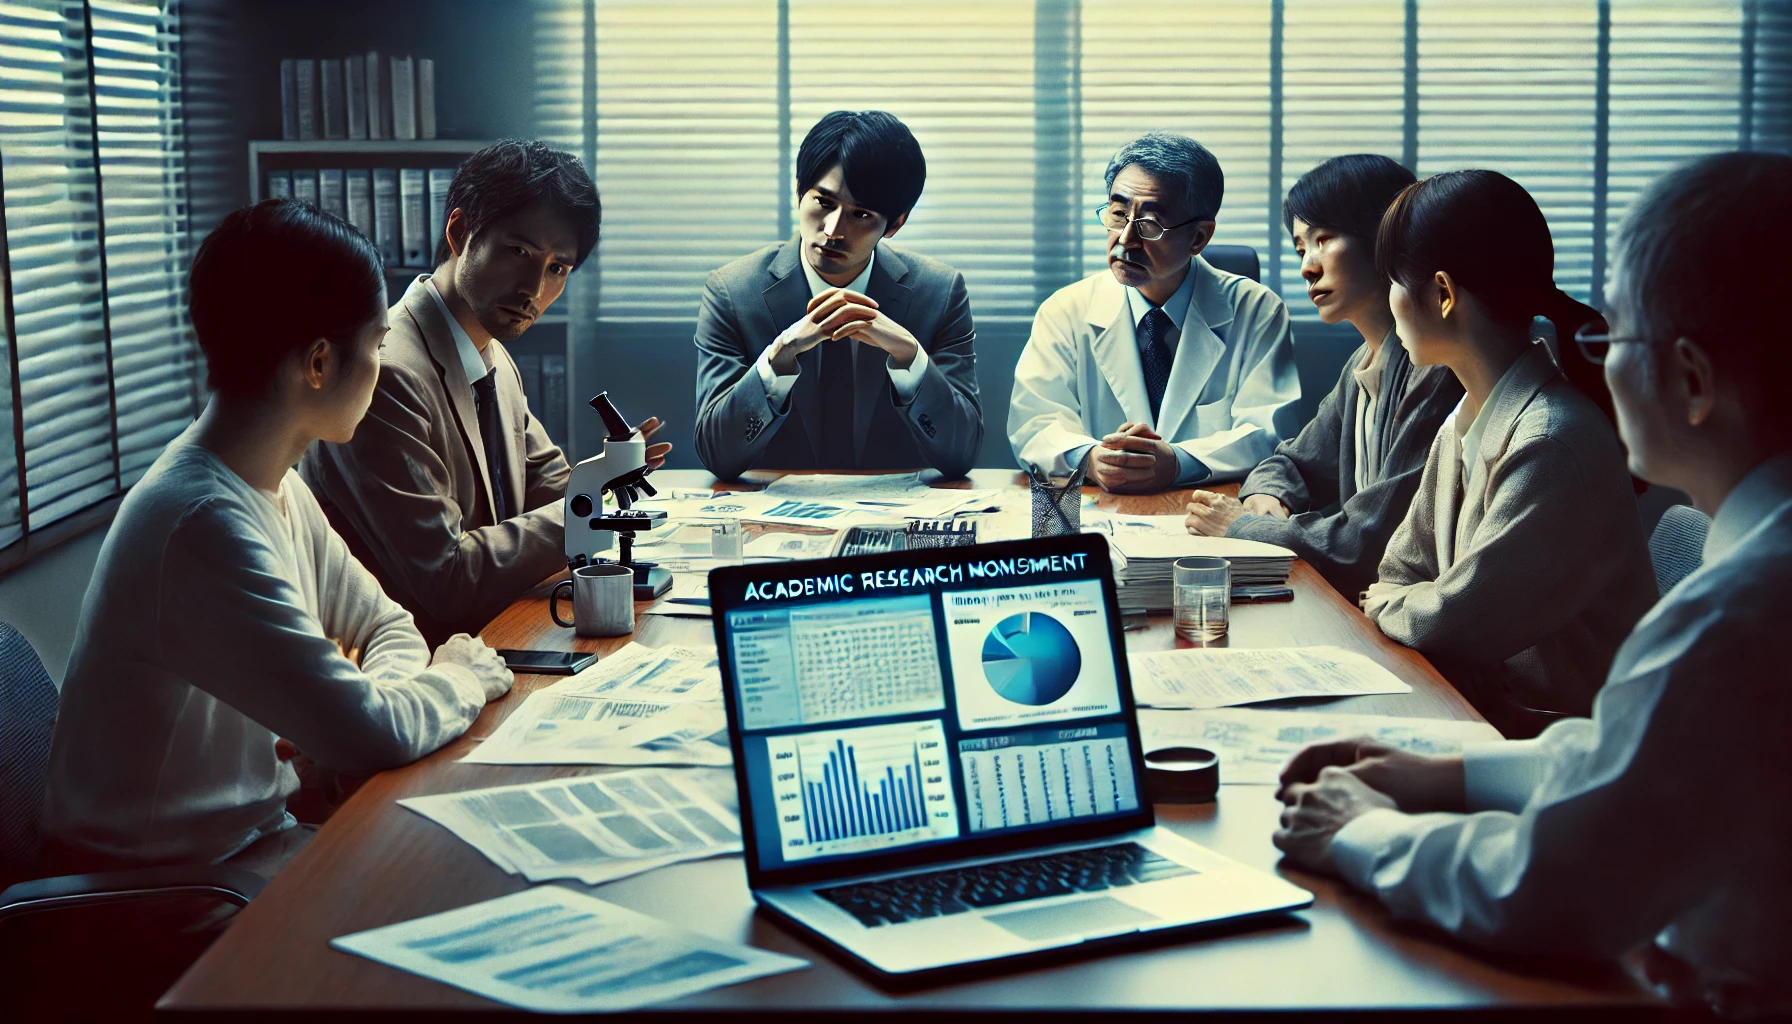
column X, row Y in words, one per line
column 833, row 662
column 1046, row 775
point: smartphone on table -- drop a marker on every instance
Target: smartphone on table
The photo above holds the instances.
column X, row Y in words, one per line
column 547, row 663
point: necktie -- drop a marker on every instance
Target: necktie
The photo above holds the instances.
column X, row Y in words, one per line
column 1156, row 357
column 497, row 453
column 836, row 404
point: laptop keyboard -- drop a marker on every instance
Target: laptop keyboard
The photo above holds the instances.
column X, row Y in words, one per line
column 936, row 893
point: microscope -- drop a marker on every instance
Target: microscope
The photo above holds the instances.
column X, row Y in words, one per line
column 620, row 469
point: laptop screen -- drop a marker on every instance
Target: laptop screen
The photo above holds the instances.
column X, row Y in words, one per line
column 926, row 704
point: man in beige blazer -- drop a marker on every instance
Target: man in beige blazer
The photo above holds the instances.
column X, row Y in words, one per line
column 450, row 490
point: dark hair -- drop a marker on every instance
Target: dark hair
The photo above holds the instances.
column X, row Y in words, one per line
column 878, row 157
column 272, row 279
column 1198, row 182
column 511, row 174
column 1347, row 194
column 1691, row 252
column 1486, row 232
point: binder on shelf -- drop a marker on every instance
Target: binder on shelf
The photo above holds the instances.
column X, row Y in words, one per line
column 379, row 98
column 330, row 192
column 413, row 205
column 305, row 77
column 385, row 214
column 355, row 95
column 426, row 98
column 552, row 413
column 304, row 186
column 439, row 180
column 404, row 98
column 335, row 106
column 358, row 186
column 279, row 185
column 289, row 99
column 528, row 366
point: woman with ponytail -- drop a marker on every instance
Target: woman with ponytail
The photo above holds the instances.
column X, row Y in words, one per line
column 1521, row 564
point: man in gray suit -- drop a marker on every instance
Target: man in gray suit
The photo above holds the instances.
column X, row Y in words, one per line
column 869, row 346
column 450, row 490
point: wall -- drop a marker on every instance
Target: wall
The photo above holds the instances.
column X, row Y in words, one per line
column 42, row 598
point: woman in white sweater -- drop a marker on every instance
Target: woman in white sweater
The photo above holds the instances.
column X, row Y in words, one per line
column 1520, row 566
column 225, row 615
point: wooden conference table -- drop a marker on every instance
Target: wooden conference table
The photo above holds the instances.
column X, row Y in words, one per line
column 375, row 863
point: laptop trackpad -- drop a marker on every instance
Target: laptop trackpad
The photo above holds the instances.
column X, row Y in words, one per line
column 1098, row 915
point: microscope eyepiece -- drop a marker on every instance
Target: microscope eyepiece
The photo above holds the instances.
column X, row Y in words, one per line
column 615, row 426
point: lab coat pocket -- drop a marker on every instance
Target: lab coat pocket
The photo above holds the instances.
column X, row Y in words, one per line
column 1212, row 417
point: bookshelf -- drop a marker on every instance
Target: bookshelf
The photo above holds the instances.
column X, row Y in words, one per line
column 547, row 340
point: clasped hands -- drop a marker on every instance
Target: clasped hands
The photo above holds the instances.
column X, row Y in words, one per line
column 1329, row 785
column 842, row 313
column 1211, row 514
column 1133, row 460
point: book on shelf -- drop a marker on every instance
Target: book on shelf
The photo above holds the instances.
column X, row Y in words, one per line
column 440, row 178
column 404, row 98
column 279, row 185
column 335, row 106
column 528, row 367
column 358, row 186
column 379, row 98
column 426, row 98
column 355, row 95
column 305, row 90
column 413, row 205
column 385, row 214
column 330, row 192
column 289, row 99
column 304, row 186
column 552, row 413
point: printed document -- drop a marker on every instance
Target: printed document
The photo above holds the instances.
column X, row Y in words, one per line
column 554, row 950
column 1254, row 743
column 1217, row 677
column 593, row 828
column 897, row 493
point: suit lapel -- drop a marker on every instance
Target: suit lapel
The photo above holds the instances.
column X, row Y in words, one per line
column 1116, row 351
column 1198, row 350
column 421, row 307
column 871, row 380
column 510, row 419
column 786, row 299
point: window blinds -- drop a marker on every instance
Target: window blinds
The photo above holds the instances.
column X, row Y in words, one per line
column 90, row 153
column 1581, row 102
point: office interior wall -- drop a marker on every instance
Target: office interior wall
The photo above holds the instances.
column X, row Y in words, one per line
column 42, row 598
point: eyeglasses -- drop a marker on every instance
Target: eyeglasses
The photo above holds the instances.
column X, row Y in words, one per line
column 1115, row 219
column 1595, row 346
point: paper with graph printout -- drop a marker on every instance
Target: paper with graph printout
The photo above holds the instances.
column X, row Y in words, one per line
column 1254, row 743
column 640, row 705
column 1217, row 677
column 554, row 950
column 895, row 493
column 593, row 828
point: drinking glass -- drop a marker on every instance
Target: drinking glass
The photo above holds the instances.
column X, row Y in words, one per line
column 1202, row 597
column 725, row 542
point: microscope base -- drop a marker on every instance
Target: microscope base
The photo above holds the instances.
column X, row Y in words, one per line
column 651, row 581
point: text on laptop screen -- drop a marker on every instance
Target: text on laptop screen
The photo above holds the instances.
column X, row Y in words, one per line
column 920, row 705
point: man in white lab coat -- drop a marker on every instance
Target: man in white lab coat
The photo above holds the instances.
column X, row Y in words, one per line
column 1164, row 371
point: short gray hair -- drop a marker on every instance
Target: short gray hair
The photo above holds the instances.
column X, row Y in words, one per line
column 1191, row 173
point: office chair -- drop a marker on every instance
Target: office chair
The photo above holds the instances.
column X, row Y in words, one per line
column 27, row 713
column 1234, row 259
column 1677, row 546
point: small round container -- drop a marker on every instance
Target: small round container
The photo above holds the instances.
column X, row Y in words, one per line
column 1182, row 775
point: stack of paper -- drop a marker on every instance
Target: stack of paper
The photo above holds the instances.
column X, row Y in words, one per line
column 594, row 829
column 557, row 951
column 1254, row 745
column 1147, row 582
column 1217, row 677
column 640, row 705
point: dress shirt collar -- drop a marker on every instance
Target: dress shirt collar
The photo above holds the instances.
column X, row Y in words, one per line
column 474, row 363
column 1176, row 305
column 817, row 285
column 1368, row 376
column 1765, row 488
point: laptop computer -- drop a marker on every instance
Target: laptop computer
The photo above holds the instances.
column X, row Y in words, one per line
column 939, row 759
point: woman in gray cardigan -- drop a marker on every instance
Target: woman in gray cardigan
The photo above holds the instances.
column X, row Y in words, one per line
column 1335, row 492
column 1521, row 565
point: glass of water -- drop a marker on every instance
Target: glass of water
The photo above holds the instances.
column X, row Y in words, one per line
column 725, row 542
column 1202, row 597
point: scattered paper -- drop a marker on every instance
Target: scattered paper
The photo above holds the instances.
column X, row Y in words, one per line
column 689, row 597
column 594, row 828
column 784, row 545
column 1254, row 744
column 1217, row 677
column 555, row 950
column 896, row 493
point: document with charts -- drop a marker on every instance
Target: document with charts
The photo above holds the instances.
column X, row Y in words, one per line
column 1217, row 677
column 1254, row 744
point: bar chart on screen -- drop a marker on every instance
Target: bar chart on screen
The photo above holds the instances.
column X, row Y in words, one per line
column 1047, row 775
column 843, row 791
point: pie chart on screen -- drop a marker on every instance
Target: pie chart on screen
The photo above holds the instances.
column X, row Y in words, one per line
column 1030, row 658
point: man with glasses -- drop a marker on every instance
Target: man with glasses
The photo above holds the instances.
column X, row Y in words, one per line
column 835, row 350
column 1162, row 371
column 1657, row 825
